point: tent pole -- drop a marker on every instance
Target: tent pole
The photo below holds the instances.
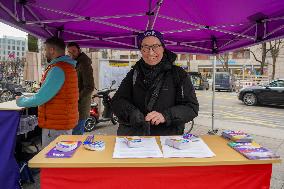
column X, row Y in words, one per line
column 213, row 131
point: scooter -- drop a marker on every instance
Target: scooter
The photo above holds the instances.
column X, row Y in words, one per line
column 107, row 115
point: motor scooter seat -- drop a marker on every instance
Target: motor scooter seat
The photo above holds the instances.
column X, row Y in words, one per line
column 94, row 104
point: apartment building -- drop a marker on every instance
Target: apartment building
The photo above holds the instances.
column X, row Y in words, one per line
column 12, row 48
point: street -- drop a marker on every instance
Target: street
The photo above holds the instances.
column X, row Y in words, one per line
column 229, row 108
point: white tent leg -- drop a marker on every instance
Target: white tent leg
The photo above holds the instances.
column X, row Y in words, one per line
column 213, row 131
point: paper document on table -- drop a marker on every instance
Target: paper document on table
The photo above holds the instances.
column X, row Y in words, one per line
column 150, row 149
column 197, row 149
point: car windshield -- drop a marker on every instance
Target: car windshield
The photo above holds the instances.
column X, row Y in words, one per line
column 279, row 83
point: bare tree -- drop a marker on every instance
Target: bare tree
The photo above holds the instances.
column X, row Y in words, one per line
column 224, row 59
column 274, row 47
column 188, row 62
column 262, row 59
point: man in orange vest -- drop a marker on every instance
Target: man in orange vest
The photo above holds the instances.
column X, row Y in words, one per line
column 58, row 96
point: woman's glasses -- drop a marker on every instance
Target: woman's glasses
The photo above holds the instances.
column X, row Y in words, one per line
column 147, row 48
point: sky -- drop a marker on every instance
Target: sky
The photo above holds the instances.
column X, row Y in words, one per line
column 11, row 31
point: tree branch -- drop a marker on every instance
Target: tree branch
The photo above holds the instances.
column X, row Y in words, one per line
column 254, row 56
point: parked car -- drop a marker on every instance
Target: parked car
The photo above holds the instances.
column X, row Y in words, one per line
column 199, row 82
column 225, row 81
column 273, row 93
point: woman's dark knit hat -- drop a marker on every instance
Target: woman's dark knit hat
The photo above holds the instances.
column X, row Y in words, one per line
column 148, row 33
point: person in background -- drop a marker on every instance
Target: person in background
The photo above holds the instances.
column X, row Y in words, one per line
column 85, row 83
column 156, row 97
column 58, row 96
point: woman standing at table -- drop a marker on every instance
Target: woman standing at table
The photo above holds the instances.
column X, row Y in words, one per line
column 156, row 97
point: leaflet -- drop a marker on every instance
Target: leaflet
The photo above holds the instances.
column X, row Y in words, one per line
column 197, row 149
column 149, row 149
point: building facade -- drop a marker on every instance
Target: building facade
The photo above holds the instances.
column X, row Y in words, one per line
column 13, row 48
column 114, row 64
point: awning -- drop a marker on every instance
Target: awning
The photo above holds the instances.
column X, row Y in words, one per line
column 207, row 26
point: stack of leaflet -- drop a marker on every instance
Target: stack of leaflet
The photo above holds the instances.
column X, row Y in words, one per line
column 63, row 149
column 237, row 136
column 253, row 150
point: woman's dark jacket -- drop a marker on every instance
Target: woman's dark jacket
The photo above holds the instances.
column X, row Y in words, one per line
column 176, row 100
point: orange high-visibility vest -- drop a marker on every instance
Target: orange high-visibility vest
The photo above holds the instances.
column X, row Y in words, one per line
column 61, row 112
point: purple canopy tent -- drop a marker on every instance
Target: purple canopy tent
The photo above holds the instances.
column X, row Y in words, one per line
column 206, row 27
column 195, row 26
column 201, row 27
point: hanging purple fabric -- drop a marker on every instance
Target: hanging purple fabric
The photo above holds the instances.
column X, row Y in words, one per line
column 9, row 170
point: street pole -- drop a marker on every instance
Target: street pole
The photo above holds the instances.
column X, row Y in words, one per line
column 213, row 131
column 244, row 72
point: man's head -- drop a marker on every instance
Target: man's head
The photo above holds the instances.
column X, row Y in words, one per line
column 73, row 50
column 151, row 45
column 54, row 47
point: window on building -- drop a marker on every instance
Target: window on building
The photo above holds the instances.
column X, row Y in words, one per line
column 23, row 43
column 247, row 54
column 241, row 54
column 23, row 48
column 186, row 57
column 183, row 57
column 23, row 54
column 18, row 48
column 18, row 42
column 202, row 57
column 18, row 54
column 9, row 41
column 134, row 56
column 9, row 47
column 211, row 57
column 8, row 52
column 13, row 47
column 123, row 56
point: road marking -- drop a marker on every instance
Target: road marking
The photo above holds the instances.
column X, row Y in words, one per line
column 246, row 121
column 246, row 108
column 232, row 116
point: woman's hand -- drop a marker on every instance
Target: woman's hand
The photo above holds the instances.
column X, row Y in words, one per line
column 155, row 118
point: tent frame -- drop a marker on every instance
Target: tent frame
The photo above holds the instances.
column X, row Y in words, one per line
column 153, row 13
column 258, row 26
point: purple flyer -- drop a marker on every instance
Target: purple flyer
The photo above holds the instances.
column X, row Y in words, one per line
column 54, row 153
